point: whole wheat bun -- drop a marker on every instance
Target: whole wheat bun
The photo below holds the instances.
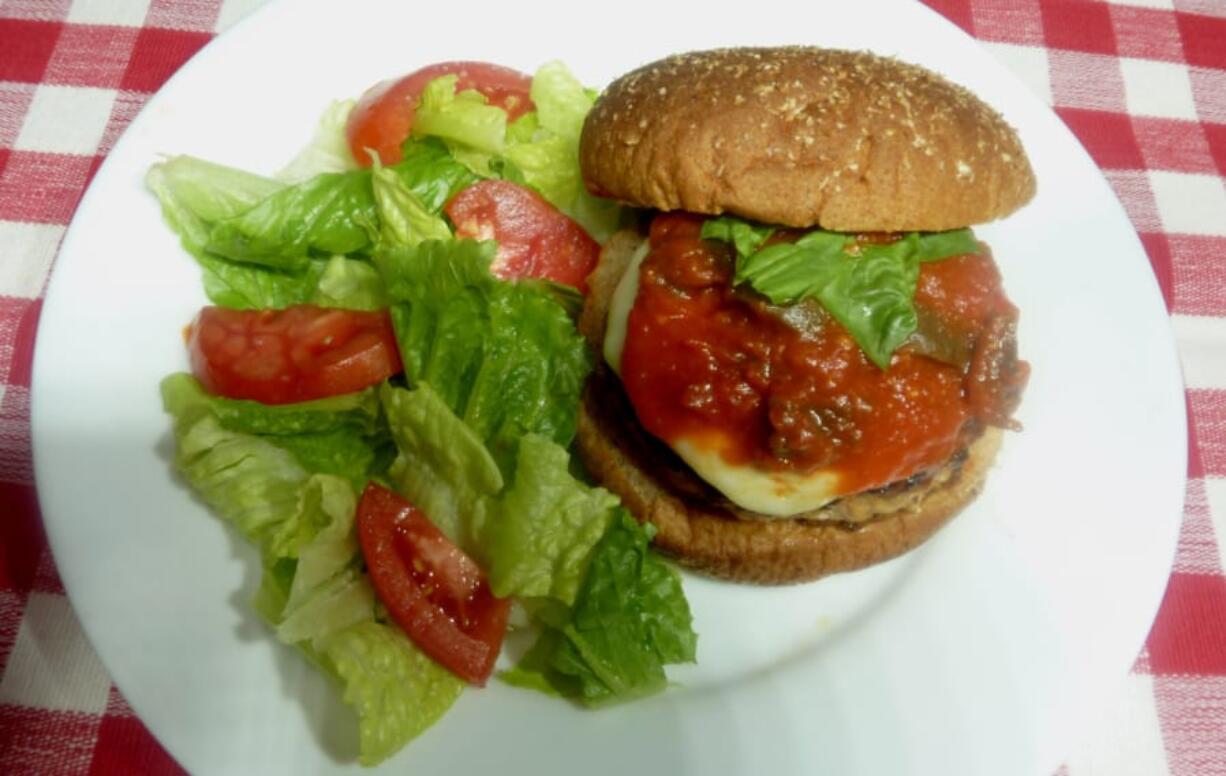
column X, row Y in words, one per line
column 705, row 531
column 804, row 137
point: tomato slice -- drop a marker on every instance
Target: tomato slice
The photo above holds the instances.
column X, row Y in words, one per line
column 435, row 592
column 535, row 239
column 384, row 115
column 300, row 353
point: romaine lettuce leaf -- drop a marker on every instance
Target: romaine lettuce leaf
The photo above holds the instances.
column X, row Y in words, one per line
column 534, row 537
column 443, row 468
column 340, row 601
column 330, row 213
column 562, row 103
column 431, row 172
column 247, row 481
column 326, row 592
column 465, row 118
column 351, row 284
column 342, row 451
column 322, row 500
column 257, row 240
column 359, row 410
column 342, row 435
column 547, row 158
column 328, row 150
column 504, row 357
column 194, row 193
column 251, row 287
column 312, row 590
column 629, row 620
column 403, row 219
column 544, row 527
column 396, row 690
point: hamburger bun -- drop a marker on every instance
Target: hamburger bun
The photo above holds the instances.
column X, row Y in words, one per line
column 804, row 137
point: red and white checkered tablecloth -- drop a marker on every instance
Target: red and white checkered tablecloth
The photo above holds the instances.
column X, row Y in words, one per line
column 1142, row 83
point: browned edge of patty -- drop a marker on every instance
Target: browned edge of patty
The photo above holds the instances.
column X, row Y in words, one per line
column 801, row 136
column 704, row 531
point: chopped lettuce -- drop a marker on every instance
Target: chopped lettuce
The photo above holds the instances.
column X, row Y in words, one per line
column 478, row 440
column 313, row 591
column 539, row 149
column 612, row 612
column 431, row 172
column 869, row 294
column 249, row 482
column 351, row 284
column 403, row 219
column 629, row 620
column 548, row 159
column 330, row 213
column 251, row 287
column 328, row 150
column 359, row 410
column 504, row 357
column 534, row 536
column 443, row 468
column 258, row 241
column 195, row 193
column 465, row 118
column 328, row 591
column 562, row 103
column 395, row 688
column 545, row 526
column 342, row 435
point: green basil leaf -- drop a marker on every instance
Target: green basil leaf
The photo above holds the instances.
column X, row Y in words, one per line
column 873, row 297
column 786, row 272
column 747, row 237
column 934, row 246
column 871, row 294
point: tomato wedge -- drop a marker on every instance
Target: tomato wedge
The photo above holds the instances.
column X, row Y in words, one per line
column 384, row 115
column 535, row 239
column 435, row 592
column 297, row 354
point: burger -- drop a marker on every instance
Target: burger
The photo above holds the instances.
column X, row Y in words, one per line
column 807, row 357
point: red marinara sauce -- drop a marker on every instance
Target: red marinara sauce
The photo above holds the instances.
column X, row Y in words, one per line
column 787, row 388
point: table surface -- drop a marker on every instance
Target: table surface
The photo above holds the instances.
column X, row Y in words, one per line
column 1142, row 83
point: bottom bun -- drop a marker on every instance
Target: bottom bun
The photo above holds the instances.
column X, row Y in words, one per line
column 706, row 532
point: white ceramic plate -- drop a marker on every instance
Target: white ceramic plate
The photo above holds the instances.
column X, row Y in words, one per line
column 976, row 654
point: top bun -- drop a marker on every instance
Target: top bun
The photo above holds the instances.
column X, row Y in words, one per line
column 803, row 137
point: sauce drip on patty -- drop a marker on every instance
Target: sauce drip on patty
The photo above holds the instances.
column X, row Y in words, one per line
column 786, row 388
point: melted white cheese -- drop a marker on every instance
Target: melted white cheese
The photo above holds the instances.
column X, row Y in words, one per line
column 771, row 493
column 619, row 309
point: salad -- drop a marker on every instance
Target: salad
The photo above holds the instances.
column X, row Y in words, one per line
column 383, row 396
